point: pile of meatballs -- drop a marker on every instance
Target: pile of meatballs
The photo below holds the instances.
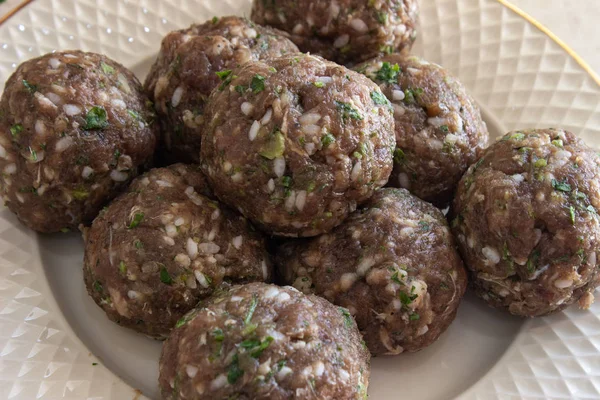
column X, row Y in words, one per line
column 306, row 147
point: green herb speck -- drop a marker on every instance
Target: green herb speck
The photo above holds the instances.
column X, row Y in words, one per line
column 348, row 111
column 378, row 98
column 137, row 219
column 16, row 129
column 347, row 317
column 388, row 73
column 561, row 186
column 30, row 87
column 107, row 69
column 327, row 139
column 251, row 309
column 235, row 372
column 96, row 118
column 257, row 84
column 165, row 277
column 572, row 214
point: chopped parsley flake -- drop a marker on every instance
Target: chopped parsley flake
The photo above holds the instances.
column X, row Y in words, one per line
column 218, row 334
column 561, row 186
column 395, row 278
column 107, row 69
column 235, row 372
column 80, row 194
column 251, row 309
column 327, row 139
column 223, row 75
column 256, row 347
column 558, row 143
column 286, row 181
column 382, row 17
column 30, row 87
column 445, row 128
column 379, row 98
column 97, row 287
column 424, row 226
column 137, row 219
column 96, row 118
column 122, row 267
column 532, row 262
column 165, row 277
column 388, row 73
column 572, row 214
column 347, row 317
column 414, row 317
column 540, row 163
column 348, row 111
column 33, row 154
column 258, row 84
column 138, row 244
column 399, row 156
column 16, row 129
column 240, row 89
column 215, row 20
column 134, row 114
column 406, row 299
column 319, row 84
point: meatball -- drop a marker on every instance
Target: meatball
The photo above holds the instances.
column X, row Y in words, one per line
column 527, row 225
column 75, row 127
column 261, row 342
column 392, row 263
column 186, row 70
column 296, row 143
column 439, row 130
column 345, row 31
column 163, row 246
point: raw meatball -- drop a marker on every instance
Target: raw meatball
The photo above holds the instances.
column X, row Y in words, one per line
column 186, row 70
column 344, row 31
column 163, row 246
column 296, row 143
column 75, row 127
column 527, row 223
column 263, row 342
column 392, row 263
column 439, row 130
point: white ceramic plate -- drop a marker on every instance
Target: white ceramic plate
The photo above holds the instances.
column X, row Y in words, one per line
column 56, row 344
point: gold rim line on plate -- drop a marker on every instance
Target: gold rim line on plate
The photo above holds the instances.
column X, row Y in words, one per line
column 15, row 10
column 582, row 63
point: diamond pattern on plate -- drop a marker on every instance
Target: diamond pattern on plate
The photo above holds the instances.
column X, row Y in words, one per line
column 519, row 75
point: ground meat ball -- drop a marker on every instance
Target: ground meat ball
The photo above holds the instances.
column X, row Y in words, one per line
column 74, row 129
column 185, row 73
column 344, row 31
column 439, row 130
column 527, row 224
column 259, row 342
column 392, row 263
column 297, row 143
column 163, row 246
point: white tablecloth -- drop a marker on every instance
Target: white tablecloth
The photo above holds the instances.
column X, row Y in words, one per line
column 576, row 22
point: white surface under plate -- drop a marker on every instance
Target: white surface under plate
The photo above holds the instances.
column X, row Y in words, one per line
column 52, row 334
